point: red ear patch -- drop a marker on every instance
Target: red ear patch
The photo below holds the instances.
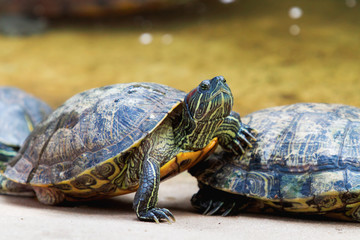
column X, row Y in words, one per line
column 190, row 94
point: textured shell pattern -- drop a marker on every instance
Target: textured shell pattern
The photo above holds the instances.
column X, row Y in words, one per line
column 90, row 128
column 19, row 113
column 302, row 150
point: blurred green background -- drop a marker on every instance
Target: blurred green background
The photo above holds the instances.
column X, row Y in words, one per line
column 271, row 52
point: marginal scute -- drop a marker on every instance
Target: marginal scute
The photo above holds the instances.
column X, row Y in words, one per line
column 326, row 202
column 103, row 171
column 350, row 197
column 355, row 213
column 107, row 188
column 262, row 185
column 84, row 181
column 293, row 186
column 330, row 181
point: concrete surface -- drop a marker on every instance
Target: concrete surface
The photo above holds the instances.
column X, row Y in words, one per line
column 25, row 218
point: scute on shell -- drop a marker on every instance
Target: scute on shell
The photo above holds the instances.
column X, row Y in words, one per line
column 90, row 128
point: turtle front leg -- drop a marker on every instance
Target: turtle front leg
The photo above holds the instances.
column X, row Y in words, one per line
column 147, row 194
column 233, row 135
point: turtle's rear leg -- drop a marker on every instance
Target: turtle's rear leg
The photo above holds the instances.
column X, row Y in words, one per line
column 49, row 195
column 9, row 187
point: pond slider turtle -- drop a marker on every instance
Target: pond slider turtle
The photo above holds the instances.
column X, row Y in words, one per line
column 124, row 138
column 23, row 17
column 20, row 112
column 306, row 160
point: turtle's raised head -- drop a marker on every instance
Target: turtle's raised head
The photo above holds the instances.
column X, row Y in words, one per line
column 211, row 100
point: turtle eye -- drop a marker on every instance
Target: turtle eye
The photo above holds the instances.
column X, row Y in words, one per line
column 205, row 85
column 221, row 78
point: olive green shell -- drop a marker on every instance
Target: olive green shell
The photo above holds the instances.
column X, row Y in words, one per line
column 90, row 128
column 303, row 151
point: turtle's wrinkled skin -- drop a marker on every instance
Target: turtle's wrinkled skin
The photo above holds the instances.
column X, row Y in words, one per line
column 25, row 17
column 19, row 113
column 306, row 160
column 123, row 138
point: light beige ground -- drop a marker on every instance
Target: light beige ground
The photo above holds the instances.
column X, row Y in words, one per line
column 25, row 218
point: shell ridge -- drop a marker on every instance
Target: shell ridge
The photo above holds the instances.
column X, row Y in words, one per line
column 277, row 148
column 37, row 163
column 340, row 153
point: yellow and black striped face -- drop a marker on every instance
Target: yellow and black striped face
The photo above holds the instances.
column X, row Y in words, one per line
column 211, row 100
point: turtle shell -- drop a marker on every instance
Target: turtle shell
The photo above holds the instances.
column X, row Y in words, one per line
column 20, row 112
column 305, row 153
column 90, row 128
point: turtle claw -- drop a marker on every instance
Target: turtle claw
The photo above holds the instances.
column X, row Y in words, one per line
column 154, row 218
column 247, row 130
column 243, row 138
column 238, row 144
column 236, row 152
column 156, row 215
column 235, row 136
column 169, row 217
column 241, row 141
column 215, row 207
column 228, row 211
column 208, row 208
column 246, row 133
column 210, row 201
column 219, row 205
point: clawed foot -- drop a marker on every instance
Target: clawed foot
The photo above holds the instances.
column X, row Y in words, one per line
column 156, row 215
column 210, row 201
column 218, row 208
column 242, row 140
column 235, row 136
column 211, row 207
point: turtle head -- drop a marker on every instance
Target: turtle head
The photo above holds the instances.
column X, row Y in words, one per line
column 205, row 109
column 211, row 100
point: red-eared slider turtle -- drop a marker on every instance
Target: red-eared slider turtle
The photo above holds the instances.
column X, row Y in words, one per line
column 123, row 138
column 20, row 112
column 306, row 160
column 23, row 17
